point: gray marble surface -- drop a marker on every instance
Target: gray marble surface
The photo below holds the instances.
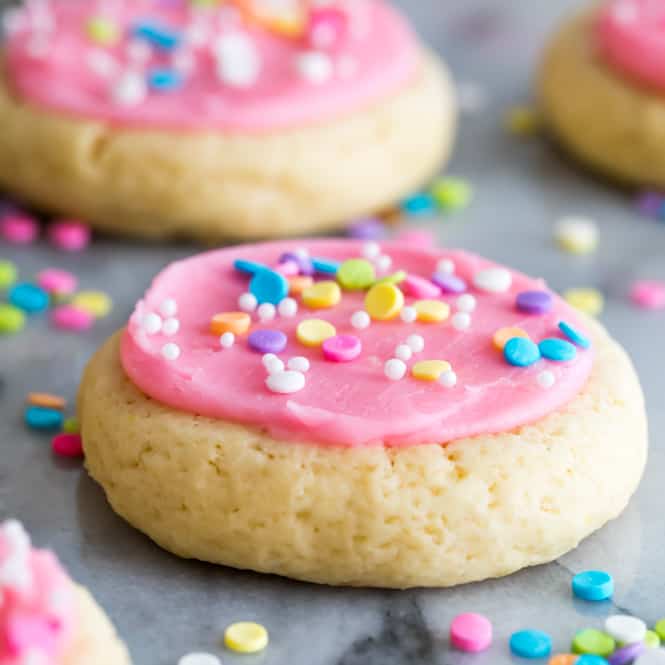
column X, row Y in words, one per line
column 165, row 607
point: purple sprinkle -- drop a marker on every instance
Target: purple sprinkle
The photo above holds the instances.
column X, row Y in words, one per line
column 534, row 302
column 449, row 283
column 650, row 203
column 304, row 263
column 267, row 341
column 626, row 654
column 367, row 229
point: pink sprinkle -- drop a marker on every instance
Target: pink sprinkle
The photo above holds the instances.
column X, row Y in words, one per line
column 419, row 287
column 471, row 632
column 69, row 317
column 648, row 294
column 57, row 281
column 327, row 26
column 416, row 238
column 19, row 229
column 67, row 445
column 288, row 269
column 69, row 235
column 342, row 348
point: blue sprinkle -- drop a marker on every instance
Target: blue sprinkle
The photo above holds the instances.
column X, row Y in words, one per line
column 326, row 266
column 531, row 644
column 593, row 585
column 574, row 336
column 269, row 286
column 164, row 79
column 558, row 350
column 591, row 659
column 158, row 35
column 39, row 417
column 420, row 204
column 249, row 267
column 29, row 298
column 521, row 352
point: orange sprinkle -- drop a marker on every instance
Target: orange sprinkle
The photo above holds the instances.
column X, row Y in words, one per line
column 563, row 659
column 237, row 323
column 298, row 284
column 47, row 400
column 502, row 335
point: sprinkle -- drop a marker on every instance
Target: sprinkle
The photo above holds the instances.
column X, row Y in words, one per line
column 451, row 193
column 502, row 335
column 587, row 300
column 29, row 298
column 593, row 585
column 360, row 320
column 288, row 269
column 626, row 654
column 47, row 400
column 403, row 352
column 18, row 229
column 396, row 278
column 449, row 283
column 558, row 350
column 432, row 311
column 156, row 35
column 227, row 340
column 429, row 370
column 394, row 369
column 164, row 79
column 384, row 301
column 408, row 314
column 246, row 637
column 325, row 266
column 288, row 308
column 247, row 302
column 648, row 294
column 267, row 341
column 594, row 642
column 371, row 250
column 522, row 121
column 356, row 275
column 248, row 267
column 130, row 89
column 652, row 639
column 531, row 644
column 151, row 323
column 471, row 632
column 341, row 348
column 69, row 235
column 171, row 351
column 461, row 321
column 266, row 312
column 659, row 628
column 315, row 67
column 534, row 302
column 416, row 343
column 97, row 303
column 67, row 445
column 72, row 318
column 546, row 379
column 71, row 425
column 419, row 287
column 272, row 363
column 298, row 364
column 493, row 280
column 56, row 281
column 102, row 31
column 521, row 352
column 384, row 263
column 445, row 267
column 238, row 61
column 12, row 319
column 367, row 229
column 236, row 322
column 168, row 307
column 313, row 332
column 41, row 418
column 299, row 283
column 322, row 295
column 626, row 629
column 421, row 203
column 199, row 658
column 8, row 274
column 302, row 261
column 466, row 303
column 576, row 235
column 448, row 379
column 171, row 326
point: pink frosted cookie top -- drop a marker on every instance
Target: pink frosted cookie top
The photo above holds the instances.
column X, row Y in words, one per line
column 213, row 65
column 37, row 615
column 631, row 38
column 371, row 397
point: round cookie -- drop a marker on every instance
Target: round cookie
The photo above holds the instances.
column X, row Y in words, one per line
column 352, row 477
column 601, row 94
column 44, row 614
column 261, row 133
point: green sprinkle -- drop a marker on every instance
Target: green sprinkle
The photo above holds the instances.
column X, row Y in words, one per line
column 451, row 193
column 71, row 426
column 660, row 629
column 356, row 275
column 395, row 278
column 8, row 274
column 594, row 642
column 12, row 320
column 652, row 639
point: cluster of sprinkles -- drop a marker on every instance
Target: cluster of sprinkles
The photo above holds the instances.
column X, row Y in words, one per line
column 45, row 412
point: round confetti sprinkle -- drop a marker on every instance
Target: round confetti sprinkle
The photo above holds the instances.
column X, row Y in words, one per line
column 531, row 644
column 449, row 283
column 304, row 263
column 521, row 352
column 563, row 659
column 431, row 311
column 268, row 286
column 626, row 629
column 56, row 281
column 267, row 341
column 574, row 335
column 394, row 369
column 12, row 319
column 272, row 363
column 371, row 250
column 67, row 445
column 416, row 343
column 247, row 302
column 171, row 351
column 18, row 229
column 171, row 326
column 29, row 298
column 651, row 639
column 152, row 323
column 471, row 632
column 236, row 322
column 69, row 317
column 360, row 320
column 356, row 275
column 342, row 348
column 41, row 418
column 461, row 321
column 534, row 302
column 8, row 274
column 445, row 267
column 466, row 303
column 313, row 332
column 419, row 287
column 384, row 263
column 227, row 340
column 199, row 658
column 384, row 301
column 97, row 303
column 546, row 379
column 266, row 311
column 594, row 642
column 451, row 193
column 298, row 364
column 168, row 307
column 246, row 637
column 590, row 301
column 648, row 294
column 557, row 350
column 448, row 379
column 429, row 370
column 299, row 284
column 322, row 295
column 626, row 654
column 593, row 585
column 69, row 235
column 408, row 314
column 288, row 308
column 403, row 352
column 493, row 280
column 576, row 235
column 502, row 335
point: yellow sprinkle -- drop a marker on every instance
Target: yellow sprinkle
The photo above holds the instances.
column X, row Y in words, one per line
column 384, row 301
column 431, row 311
column 246, row 637
column 430, row 370
column 103, row 31
column 590, row 301
column 502, row 335
column 96, row 303
column 322, row 295
column 313, row 332
column 522, row 121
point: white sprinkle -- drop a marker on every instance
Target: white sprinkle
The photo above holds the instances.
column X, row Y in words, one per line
column 199, row 658
column 315, row 67
column 371, row 250
column 266, row 311
column 138, row 51
column 408, row 314
column 445, row 266
column 403, row 352
column 129, row 90
column 272, row 363
column 448, row 379
column 577, row 235
column 152, row 323
column 171, row 351
column 286, row 382
column 394, row 369
column 247, row 302
column 171, row 326
column 384, row 262
column 168, row 308
column 288, row 307
column 238, row 61
column 626, row 629
column 360, row 320
column 301, row 252
column 416, row 343
column 461, row 321
column 298, row 364
column 466, row 303
column 493, row 280
column 101, row 63
column 546, row 379
column 227, row 340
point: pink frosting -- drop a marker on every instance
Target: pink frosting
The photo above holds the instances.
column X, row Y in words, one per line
column 631, row 38
column 37, row 612
column 52, row 62
column 354, row 403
